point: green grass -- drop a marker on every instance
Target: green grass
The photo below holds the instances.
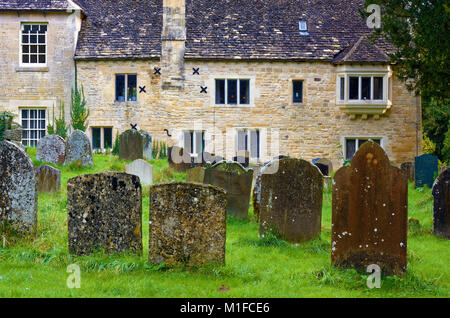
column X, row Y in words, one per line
column 36, row 266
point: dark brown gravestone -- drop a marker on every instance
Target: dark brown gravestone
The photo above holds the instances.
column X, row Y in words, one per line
column 51, row 148
column 196, row 174
column 131, row 145
column 370, row 213
column 178, row 160
column 49, row 178
column 236, row 181
column 104, row 211
column 408, row 169
column 187, row 224
column 441, row 211
column 290, row 204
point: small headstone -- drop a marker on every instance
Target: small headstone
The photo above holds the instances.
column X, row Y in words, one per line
column 104, row 211
column 178, row 160
column 187, row 224
column 78, row 148
column 236, row 181
column 18, row 189
column 49, row 179
column 143, row 170
column 441, row 193
column 290, row 204
column 370, row 213
column 13, row 134
column 408, row 169
column 52, row 149
column 325, row 166
column 147, row 145
column 425, row 169
column 131, row 145
column 196, row 174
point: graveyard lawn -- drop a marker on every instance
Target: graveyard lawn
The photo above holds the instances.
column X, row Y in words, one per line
column 36, row 266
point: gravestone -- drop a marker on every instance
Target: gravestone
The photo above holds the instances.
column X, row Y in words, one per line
column 370, row 213
column 18, row 189
column 256, row 195
column 442, row 169
column 143, row 170
column 243, row 157
column 178, row 160
column 290, row 204
column 441, row 211
column 196, row 174
column 131, row 145
column 78, row 148
column 408, row 169
column 104, row 211
column 147, row 147
column 48, row 178
column 187, row 224
column 325, row 166
column 236, row 181
column 52, row 149
column 425, row 168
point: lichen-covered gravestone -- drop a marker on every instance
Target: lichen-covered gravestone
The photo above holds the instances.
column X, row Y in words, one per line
column 104, row 211
column 196, row 174
column 425, row 168
column 18, row 189
column 143, row 170
column 290, row 204
column 49, row 179
column 147, row 147
column 370, row 213
column 236, row 181
column 187, row 224
column 51, row 148
column 441, row 193
column 78, row 148
column 408, row 169
column 131, row 145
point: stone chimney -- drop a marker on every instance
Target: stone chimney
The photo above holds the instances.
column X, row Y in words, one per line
column 173, row 44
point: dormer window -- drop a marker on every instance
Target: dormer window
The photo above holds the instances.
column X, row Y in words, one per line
column 303, row 27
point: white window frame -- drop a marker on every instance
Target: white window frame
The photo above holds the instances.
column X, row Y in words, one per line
column 236, row 142
column 21, row 64
column 357, row 145
column 37, row 119
column 251, row 87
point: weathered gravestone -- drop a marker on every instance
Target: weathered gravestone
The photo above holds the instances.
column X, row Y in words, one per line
column 131, row 145
column 49, row 179
column 236, row 181
column 18, row 189
column 408, row 169
column 242, row 157
column 187, row 224
column 78, row 148
column 290, row 204
column 441, row 193
column 442, row 169
column 178, row 160
column 196, row 174
column 104, row 211
column 143, row 170
column 325, row 166
column 425, row 168
column 147, row 147
column 51, row 148
column 370, row 213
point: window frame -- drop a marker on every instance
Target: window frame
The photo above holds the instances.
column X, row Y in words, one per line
column 102, row 137
column 193, row 132
column 360, row 76
column 238, row 103
column 249, row 142
column 28, row 139
column 357, row 143
column 33, row 65
column 126, row 88
column 302, row 91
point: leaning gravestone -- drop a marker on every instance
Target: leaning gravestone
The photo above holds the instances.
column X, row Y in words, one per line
column 236, row 181
column 425, row 168
column 52, row 149
column 441, row 193
column 187, row 224
column 290, row 204
column 178, row 160
column 131, row 145
column 78, row 148
column 104, row 211
column 143, row 170
column 147, row 147
column 49, row 179
column 370, row 213
column 18, row 189
column 408, row 169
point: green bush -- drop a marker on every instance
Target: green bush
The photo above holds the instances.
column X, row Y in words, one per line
column 115, row 149
column 79, row 113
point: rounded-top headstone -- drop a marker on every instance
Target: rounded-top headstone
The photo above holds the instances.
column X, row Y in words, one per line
column 131, row 145
column 52, row 149
column 143, row 170
column 147, row 145
column 78, row 148
column 18, row 189
column 49, row 178
column 441, row 210
column 425, row 170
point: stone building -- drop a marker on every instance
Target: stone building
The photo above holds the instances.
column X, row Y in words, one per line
column 273, row 77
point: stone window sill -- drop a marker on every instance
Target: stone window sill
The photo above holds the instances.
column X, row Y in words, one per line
column 32, row 69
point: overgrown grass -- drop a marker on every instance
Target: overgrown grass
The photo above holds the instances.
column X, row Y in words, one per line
column 36, row 266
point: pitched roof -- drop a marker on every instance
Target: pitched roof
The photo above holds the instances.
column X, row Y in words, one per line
column 361, row 51
column 35, row 5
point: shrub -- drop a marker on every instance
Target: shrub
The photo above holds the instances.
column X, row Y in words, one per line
column 115, row 149
column 79, row 113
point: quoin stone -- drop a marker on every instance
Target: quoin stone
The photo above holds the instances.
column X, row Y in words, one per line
column 441, row 210
column 131, row 145
column 104, row 211
column 425, row 170
column 370, row 213
column 143, row 170
column 290, row 203
column 78, row 148
column 408, row 169
column 49, row 178
column 52, row 149
column 18, row 189
column 187, row 224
